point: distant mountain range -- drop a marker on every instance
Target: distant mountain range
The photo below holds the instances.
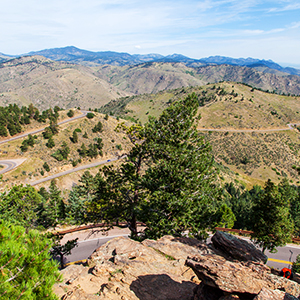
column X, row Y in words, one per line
column 78, row 56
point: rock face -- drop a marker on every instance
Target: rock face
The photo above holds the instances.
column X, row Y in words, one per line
column 125, row 269
column 236, row 248
column 238, row 277
column 175, row 269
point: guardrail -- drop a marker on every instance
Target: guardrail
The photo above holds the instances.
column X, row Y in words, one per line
column 85, row 227
column 240, row 231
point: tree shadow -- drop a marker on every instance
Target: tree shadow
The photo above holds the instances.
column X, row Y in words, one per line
column 162, row 287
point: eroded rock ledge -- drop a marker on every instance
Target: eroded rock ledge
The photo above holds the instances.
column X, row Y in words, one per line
column 175, row 268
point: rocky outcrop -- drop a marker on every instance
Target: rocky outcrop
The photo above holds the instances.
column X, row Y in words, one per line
column 233, row 247
column 266, row 294
column 238, row 277
column 175, row 268
column 125, row 269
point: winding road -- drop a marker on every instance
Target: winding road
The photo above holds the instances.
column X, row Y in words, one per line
column 290, row 127
column 10, row 164
column 90, row 240
column 13, row 163
column 95, row 164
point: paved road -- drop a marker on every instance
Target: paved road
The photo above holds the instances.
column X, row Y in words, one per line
column 10, row 164
column 95, row 164
column 84, row 113
column 290, row 127
column 86, row 247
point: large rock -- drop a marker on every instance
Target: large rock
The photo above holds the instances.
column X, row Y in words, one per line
column 238, row 277
column 266, row 294
column 178, row 247
column 233, row 247
column 125, row 269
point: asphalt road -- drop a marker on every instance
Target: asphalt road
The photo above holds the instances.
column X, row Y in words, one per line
column 84, row 113
column 86, row 247
column 10, row 164
column 290, row 127
column 95, row 164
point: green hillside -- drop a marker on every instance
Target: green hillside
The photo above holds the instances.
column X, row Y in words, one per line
column 253, row 138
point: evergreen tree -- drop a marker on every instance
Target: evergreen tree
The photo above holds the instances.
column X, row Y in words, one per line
column 82, row 151
column 3, row 130
column 92, row 151
column 167, row 180
column 74, row 137
column 98, row 127
column 27, row 272
column 273, row 225
column 46, row 166
column 21, row 206
column 50, row 143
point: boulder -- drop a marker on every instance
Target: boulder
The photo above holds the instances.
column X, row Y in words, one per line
column 233, row 247
column 178, row 247
column 267, row 294
column 238, row 277
column 126, row 269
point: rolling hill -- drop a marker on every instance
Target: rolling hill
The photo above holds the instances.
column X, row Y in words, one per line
column 46, row 83
column 246, row 127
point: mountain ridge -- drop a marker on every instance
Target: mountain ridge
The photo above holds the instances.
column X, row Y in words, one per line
column 80, row 56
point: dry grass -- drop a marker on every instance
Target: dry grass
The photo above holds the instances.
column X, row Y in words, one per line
column 31, row 169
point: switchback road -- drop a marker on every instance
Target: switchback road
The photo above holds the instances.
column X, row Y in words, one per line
column 95, row 164
column 290, row 127
column 84, row 113
column 10, row 164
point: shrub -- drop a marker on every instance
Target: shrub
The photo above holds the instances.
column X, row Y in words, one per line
column 70, row 113
column 98, row 127
column 46, row 166
column 90, row 115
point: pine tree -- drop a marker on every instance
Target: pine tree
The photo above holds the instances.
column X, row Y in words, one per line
column 50, row 143
column 21, row 206
column 74, row 137
column 273, row 225
column 167, row 181
column 27, row 272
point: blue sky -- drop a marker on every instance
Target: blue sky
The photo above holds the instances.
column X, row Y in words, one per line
column 235, row 28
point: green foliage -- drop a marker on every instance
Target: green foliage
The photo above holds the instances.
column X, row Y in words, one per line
column 98, row 127
column 61, row 153
column 21, row 206
column 296, row 265
column 82, row 151
column 70, row 113
column 30, row 141
column 50, row 144
column 3, row 130
column 77, row 130
column 90, row 115
column 85, row 136
column 47, row 133
column 273, row 225
column 92, row 151
column 52, row 209
column 74, row 137
column 26, row 269
column 46, row 166
column 106, row 117
column 225, row 216
column 175, row 191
